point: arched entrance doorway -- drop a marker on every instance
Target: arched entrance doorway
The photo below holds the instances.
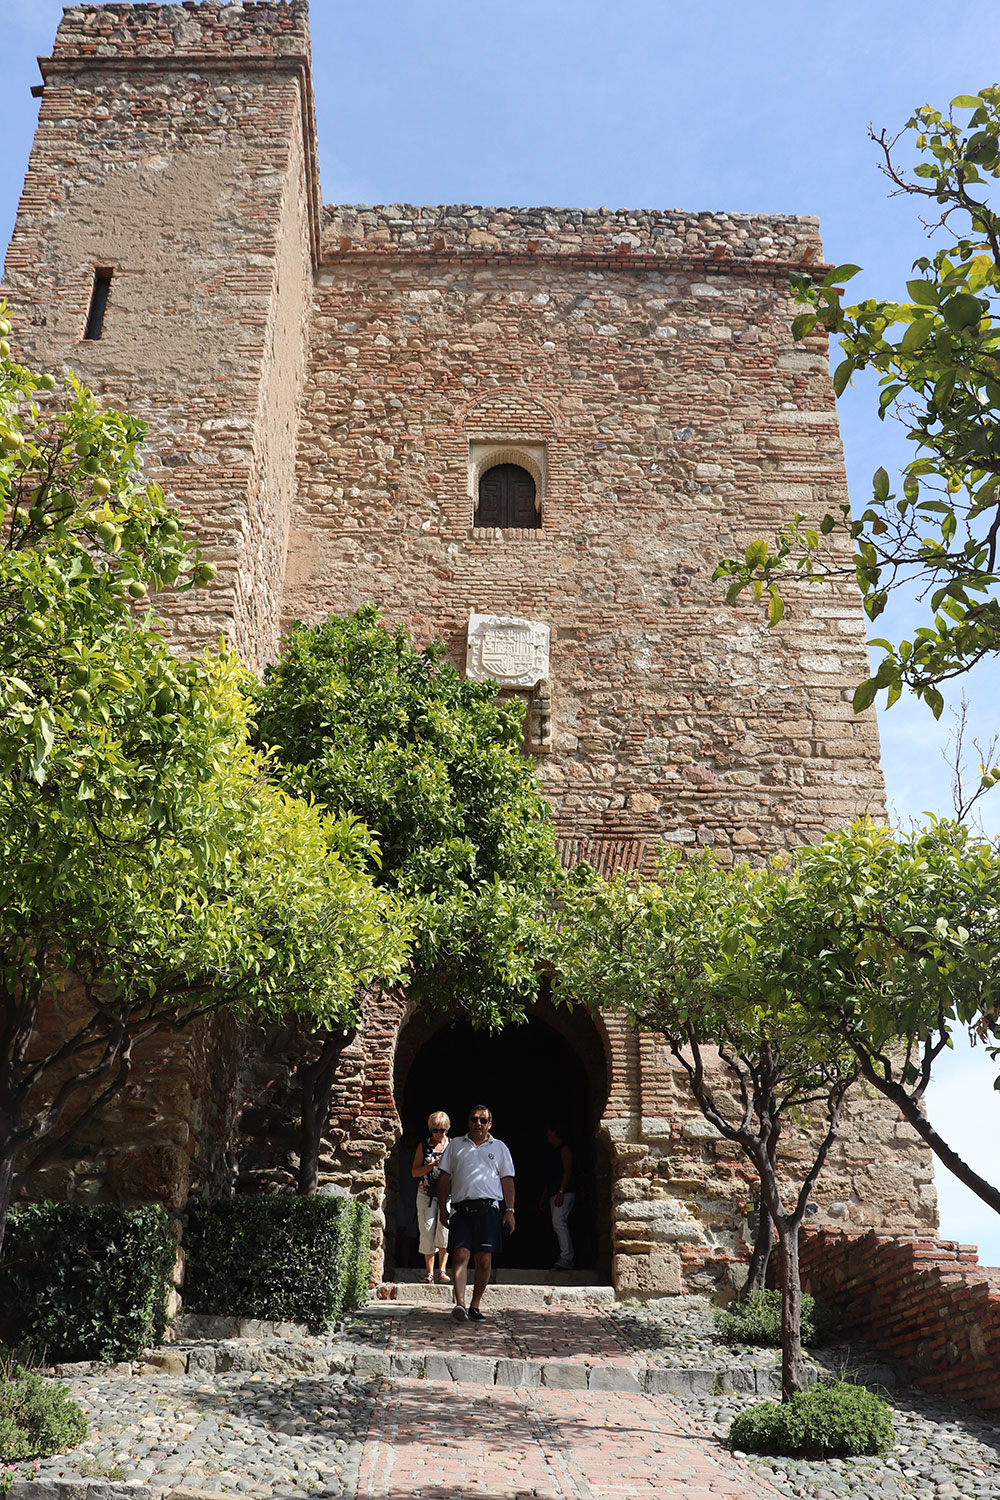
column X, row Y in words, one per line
column 551, row 1068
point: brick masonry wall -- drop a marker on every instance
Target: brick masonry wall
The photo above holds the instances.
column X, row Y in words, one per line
column 923, row 1300
column 648, row 356
column 175, row 144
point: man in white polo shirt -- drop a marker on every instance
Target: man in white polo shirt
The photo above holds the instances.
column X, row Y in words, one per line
column 477, row 1173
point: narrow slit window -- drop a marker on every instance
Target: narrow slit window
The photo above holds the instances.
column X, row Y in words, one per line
column 98, row 302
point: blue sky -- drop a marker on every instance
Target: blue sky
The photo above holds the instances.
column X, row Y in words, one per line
column 655, row 104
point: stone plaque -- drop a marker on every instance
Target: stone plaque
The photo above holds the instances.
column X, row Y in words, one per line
column 513, row 652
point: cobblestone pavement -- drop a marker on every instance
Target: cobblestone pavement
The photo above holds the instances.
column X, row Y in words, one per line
column 255, row 1435
column 263, row 1426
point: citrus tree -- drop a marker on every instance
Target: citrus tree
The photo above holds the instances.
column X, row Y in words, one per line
column 898, row 944
column 936, row 357
column 357, row 718
column 149, row 868
column 708, row 958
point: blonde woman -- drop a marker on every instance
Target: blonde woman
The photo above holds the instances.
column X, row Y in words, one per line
column 426, row 1159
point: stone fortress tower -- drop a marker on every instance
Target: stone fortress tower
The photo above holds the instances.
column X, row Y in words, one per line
column 530, row 432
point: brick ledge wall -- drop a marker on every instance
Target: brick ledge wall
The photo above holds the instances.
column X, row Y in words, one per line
column 923, row 1300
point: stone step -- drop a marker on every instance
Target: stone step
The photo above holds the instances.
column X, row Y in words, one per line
column 504, row 1276
column 519, row 1295
column 286, row 1358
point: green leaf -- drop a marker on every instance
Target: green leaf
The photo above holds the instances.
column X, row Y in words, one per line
column 934, row 701
column 840, row 274
column 842, row 375
column 966, row 101
column 803, row 324
column 925, row 293
column 864, row 695
column 880, row 486
column 916, row 335
column 775, row 607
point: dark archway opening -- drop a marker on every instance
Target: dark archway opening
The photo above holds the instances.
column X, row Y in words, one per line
column 550, row 1068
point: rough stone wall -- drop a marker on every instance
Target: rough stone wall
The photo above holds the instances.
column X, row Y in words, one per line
column 678, row 421
column 164, row 1135
column 175, row 145
column 923, row 1300
column 648, row 357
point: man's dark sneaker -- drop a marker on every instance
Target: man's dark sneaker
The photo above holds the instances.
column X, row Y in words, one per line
column 458, row 1313
column 475, row 1316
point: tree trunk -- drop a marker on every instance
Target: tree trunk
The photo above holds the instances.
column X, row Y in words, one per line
column 316, row 1083
column 791, row 1312
column 6, row 1190
column 761, row 1254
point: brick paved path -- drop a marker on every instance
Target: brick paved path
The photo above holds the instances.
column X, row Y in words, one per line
column 430, row 1441
column 585, row 1335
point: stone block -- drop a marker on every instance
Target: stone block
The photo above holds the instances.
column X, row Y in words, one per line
column 371, row 1362
column 202, row 1361
column 473, row 1369
column 437, row 1367
column 163, row 1362
column 680, row 1382
column 286, row 1359
column 519, row 1372
column 614, row 1378
column 564, row 1375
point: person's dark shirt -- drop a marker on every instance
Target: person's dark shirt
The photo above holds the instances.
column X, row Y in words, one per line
column 554, row 1172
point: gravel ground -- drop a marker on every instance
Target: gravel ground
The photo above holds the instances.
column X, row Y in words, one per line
column 252, row 1434
column 943, row 1450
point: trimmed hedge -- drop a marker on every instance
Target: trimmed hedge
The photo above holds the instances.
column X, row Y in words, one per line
column 838, row 1420
column 757, row 1320
column 304, row 1260
column 85, row 1280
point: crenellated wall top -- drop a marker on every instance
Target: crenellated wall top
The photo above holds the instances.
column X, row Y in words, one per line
column 215, row 28
column 601, row 234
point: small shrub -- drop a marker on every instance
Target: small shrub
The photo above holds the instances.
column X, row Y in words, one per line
column 301, row 1259
column 37, row 1416
column 85, row 1280
column 836, row 1420
column 758, row 1320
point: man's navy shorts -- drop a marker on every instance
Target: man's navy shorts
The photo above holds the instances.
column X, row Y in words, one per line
column 475, row 1225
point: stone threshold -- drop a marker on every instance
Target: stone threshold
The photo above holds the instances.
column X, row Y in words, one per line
column 501, row 1294
column 287, row 1359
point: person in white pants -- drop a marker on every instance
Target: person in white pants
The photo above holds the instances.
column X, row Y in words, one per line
column 560, row 1188
column 426, row 1166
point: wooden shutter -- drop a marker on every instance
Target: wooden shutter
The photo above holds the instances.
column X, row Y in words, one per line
column 507, row 498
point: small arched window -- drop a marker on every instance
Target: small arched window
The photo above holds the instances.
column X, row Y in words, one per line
column 507, row 498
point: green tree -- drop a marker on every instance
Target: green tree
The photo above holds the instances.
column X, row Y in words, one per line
column 898, row 943
column 149, row 867
column 937, row 360
column 353, row 716
column 709, row 958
